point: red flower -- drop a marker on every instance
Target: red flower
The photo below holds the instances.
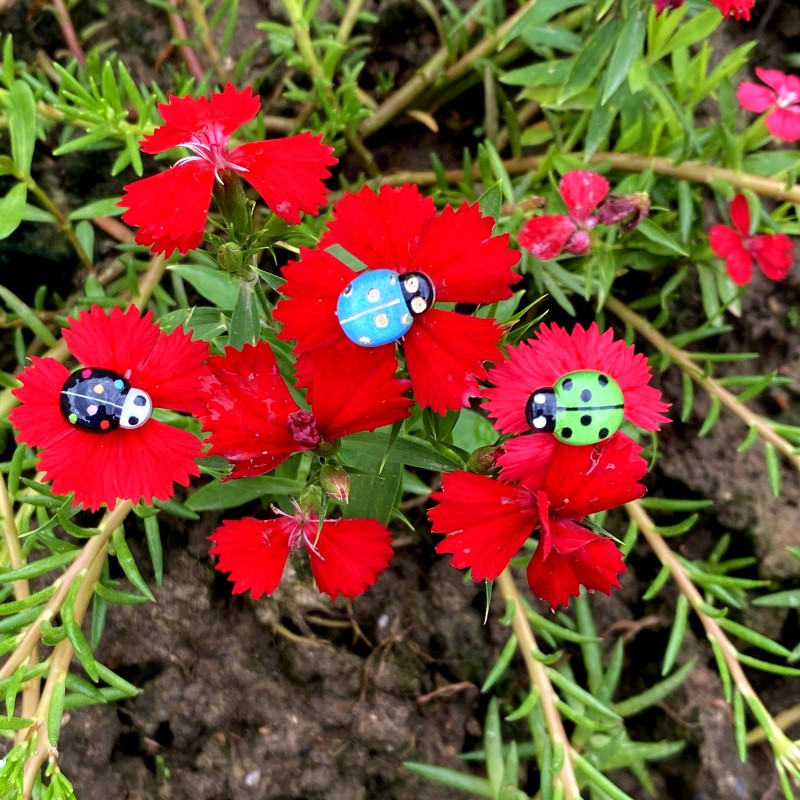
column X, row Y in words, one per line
column 738, row 9
column 454, row 259
column 171, row 208
column 549, row 235
column 781, row 99
column 346, row 555
column 772, row 251
column 539, row 362
column 91, row 456
column 663, row 5
column 487, row 521
column 256, row 424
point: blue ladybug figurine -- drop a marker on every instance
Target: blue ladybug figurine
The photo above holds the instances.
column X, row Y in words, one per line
column 378, row 306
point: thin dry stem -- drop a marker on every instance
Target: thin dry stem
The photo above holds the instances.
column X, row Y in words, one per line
column 188, row 54
column 68, row 31
column 712, row 387
column 206, row 37
column 627, row 162
column 544, row 689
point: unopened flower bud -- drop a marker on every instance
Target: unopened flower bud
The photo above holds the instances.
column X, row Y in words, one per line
column 578, row 243
column 335, row 482
column 625, row 210
column 230, row 257
column 302, row 427
column 483, row 461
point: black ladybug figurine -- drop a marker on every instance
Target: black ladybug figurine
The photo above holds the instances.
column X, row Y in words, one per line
column 101, row 400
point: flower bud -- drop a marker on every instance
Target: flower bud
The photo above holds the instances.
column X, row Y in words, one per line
column 578, row 243
column 483, row 461
column 335, row 482
column 230, row 257
column 302, row 427
column 625, row 210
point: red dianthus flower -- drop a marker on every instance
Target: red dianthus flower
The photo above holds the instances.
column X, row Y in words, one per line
column 738, row 9
column 780, row 96
column 256, row 424
column 171, row 208
column 547, row 236
column 539, row 362
column 397, row 232
column 346, row 555
column 772, row 251
column 107, row 464
column 487, row 521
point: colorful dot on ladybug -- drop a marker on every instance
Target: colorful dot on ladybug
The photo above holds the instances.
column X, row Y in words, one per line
column 379, row 306
column 583, row 407
column 101, row 400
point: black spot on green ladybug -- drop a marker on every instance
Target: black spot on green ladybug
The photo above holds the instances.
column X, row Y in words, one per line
column 583, row 407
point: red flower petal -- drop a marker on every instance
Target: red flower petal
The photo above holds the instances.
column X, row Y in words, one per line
column 782, row 83
column 487, row 522
column 139, row 464
column 312, row 290
column 590, row 478
column 773, row 252
column 254, row 552
column 444, row 353
column 39, row 418
column 738, row 9
column 582, row 191
column 740, row 214
column 546, row 236
column 353, row 388
column 381, row 229
column 541, row 361
column 465, row 262
column 526, row 459
column 287, row 173
column 171, row 208
column 184, row 117
column 576, row 557
column 784, row 123
column 247, row 409
column 755, row 97
column 728, row 244
column 348, row 554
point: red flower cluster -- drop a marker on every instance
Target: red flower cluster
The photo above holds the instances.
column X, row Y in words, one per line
column 287, row 173
column 663, row 5
column 544, row 481
column 585, row 195
column 94, row 426
column 780, row 97
column 738, row 9
column 772, row 252
column 346, row 555
column 256, row 424
column 414, row 257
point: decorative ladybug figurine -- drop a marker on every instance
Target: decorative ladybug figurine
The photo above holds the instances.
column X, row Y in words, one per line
column 584, row 407
column 100, row 400
column 379, row 305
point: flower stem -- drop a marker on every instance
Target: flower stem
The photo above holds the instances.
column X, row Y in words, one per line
column 694, row 171
column 779, row 742
column 206, row 38
column 681, row 359
column 541, row 683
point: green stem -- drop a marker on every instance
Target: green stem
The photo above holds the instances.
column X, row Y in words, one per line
column 544, row 689
column 682, row 360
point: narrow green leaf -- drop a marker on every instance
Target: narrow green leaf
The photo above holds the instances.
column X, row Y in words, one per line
column 72, row 628
column 15, row 470
column 697, row 29
column 786, row 599
column 676, row 635
column 654, row 694
column 27, row 315
column 711, row 418
column 501, row 664
column 493, row 746
column 12, row 209
column 154, row 547
column 218, row 496
column 590, row 60
column 21, row 107
column 114, row 680
column 766, row 666
column 245, row 325
column 722, row 668
column 40, row 567
column 128, row 564
column 753, row 637
column 740, row 725
column 773, row 468
column 106, row 207
column 213, row 284
column 655, row 233
column 460, row 781
column 629, row 45
column 580, row 694
column 20, row 723
column 55, row 710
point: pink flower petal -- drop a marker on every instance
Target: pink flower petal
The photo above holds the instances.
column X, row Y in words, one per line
column 784, row 123
column 582, row 191
column 755, row 97
column 545, row 237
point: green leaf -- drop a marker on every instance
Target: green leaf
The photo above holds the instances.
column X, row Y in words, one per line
column 106, row 207
column 493, row 746
column 461, row 781
column 20, row 723
column 22, row 126
column 773, row 468
column 154, row 547
column 676, row 635
column 55, row 710
column 590, row 60
column 753, row 637
column 40, row 567
column 766, row 666
column 787, row 599
column 128, row 564
column 405, row 450
column 72, row 628
column 213, row 284
column 12, row 209
column 500, row 666
column 491, row 201
column 218, row 495
column 697, row 29
column 629, row 45
column 572, row 689
column 245, row 326
column 655, row 233
column 27, row 315
column 655, row 693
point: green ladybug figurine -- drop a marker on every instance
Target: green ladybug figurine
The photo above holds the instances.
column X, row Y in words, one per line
column 584, row 407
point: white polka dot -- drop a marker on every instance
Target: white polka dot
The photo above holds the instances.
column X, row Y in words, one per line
column 364, row 340
column 539, row 398
column 540, row 422
column 373, row 295
column 381, row 320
